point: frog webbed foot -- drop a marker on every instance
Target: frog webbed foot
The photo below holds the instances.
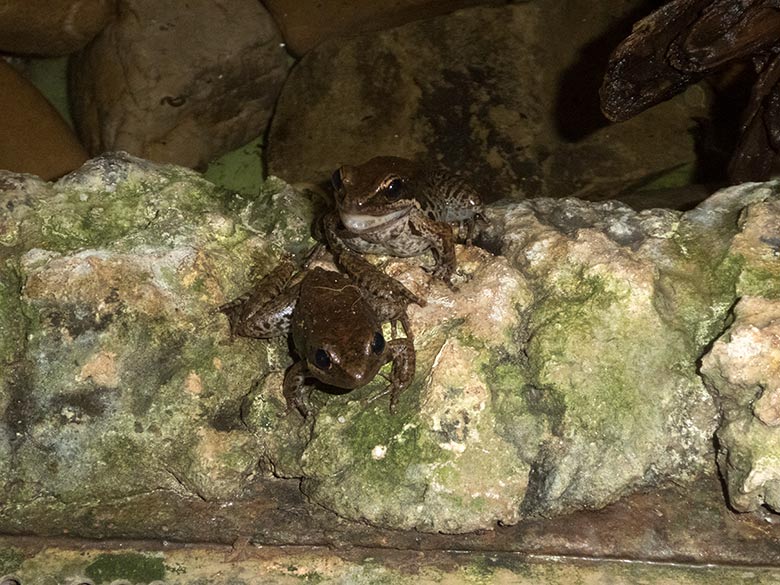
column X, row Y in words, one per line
column 403, row 318
column 232, row 310
column 443, row 273
column 333, row 234
column 314, row 254
column 402, row 355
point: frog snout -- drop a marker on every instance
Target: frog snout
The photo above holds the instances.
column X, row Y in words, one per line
column 358, row 375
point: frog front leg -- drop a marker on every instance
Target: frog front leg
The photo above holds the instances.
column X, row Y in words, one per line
column 470, row 225
column 442, row 242
column 403, row 356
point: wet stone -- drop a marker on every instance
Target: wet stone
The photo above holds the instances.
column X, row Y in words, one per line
column 566, row 359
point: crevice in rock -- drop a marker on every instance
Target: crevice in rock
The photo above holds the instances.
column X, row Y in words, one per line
column 187, row 489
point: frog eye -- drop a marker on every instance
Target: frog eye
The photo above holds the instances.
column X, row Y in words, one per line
column 322, row 359
column 336, row 181
column 394, row 189
column 378, row 343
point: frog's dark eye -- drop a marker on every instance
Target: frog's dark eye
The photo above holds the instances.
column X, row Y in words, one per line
column 322, row 359
column 394, row 189
column 336, row 181
column 378, row 343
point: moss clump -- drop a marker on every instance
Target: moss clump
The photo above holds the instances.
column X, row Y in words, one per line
column 10, row 560
column 12, row 327
column 521, row 417
column 116, row 199
column 582, row 316
column 368, row 427
column 136, row 568
column 755, row 281
column 695, row 293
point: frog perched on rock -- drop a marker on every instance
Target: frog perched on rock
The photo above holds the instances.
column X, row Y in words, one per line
column 391, row 205
column 335, row 328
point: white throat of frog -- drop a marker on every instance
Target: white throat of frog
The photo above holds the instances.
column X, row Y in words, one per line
column 361, row 223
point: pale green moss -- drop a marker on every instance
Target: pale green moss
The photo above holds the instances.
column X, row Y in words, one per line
column 12, row 326
column 696, row 292
column 10, row 560
column 134, row 567
column 599, row 355
column 523, row 414
column 369, row 426
column 755, row 281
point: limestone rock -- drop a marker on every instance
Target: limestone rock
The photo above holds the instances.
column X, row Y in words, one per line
column 562, row 374
column 36, row 139
column 306, row 23
column 443, row 464
column 743, row 366
column 51, row 27
column 178, row 85
column 426, row 90
column 105, row 387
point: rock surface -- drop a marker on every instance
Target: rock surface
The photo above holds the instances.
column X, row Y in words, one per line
column 306, row 23
column 35, row 137
column 147, row 564
column 743, row 367
column 51, row 27
column 562, row 374
column 426, row 90
column 176, row 85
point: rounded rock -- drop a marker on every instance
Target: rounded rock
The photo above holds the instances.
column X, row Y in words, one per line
column 51, row 27
column 36, row 139
column 178, row 86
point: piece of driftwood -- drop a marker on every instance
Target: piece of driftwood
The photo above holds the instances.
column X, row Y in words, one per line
column 686, row 40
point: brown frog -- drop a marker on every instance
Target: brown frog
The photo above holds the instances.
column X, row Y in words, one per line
column 391, row 205
column 334, row 325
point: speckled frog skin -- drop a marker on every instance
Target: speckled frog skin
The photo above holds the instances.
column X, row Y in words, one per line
column 391, row 205
column 335, row 327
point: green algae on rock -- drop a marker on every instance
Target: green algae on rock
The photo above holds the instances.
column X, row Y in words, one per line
column 123, row 382
column 426, row 468
column 201, row 565
column 561, row 375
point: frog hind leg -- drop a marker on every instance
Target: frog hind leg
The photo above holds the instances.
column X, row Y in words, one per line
column 402, row 354
column 387, row 297
column 292, row 389
column 265, row 311
column 265, row 289
column 268, row 320
column 375, row 282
